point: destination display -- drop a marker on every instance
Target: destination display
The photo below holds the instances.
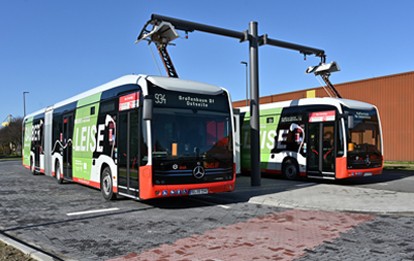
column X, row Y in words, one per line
column 128, row 102
column 366, row 115
column 362, row 116
column 322, row 116
column 165, row 98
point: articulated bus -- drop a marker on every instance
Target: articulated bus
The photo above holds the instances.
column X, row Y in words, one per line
column 138, row 136
column 326, row 138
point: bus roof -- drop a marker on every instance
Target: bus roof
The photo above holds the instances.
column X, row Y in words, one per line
column 315, row 101
column 168, row 83
column 176, row 84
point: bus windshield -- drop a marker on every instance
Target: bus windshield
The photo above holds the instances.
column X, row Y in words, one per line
column 364, row 138
column 191, row 133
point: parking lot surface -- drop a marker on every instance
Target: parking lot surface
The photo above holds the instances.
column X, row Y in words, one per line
column 279, row 220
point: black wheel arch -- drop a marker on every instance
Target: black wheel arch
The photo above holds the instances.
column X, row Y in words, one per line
column 287, row 161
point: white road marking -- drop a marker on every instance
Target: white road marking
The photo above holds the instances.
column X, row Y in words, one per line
column 91, row 211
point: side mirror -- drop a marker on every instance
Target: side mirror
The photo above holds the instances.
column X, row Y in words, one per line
column 147, row 108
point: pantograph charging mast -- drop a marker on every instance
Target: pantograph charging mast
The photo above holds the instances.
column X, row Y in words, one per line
column 163, row 32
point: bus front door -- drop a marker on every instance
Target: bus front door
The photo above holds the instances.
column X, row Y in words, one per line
column 67, row 141
column 128, row 158
column 321, row 155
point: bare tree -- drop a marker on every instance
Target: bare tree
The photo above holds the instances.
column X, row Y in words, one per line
column 11, row 137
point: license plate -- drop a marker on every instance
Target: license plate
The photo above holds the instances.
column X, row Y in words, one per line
column 198, row 191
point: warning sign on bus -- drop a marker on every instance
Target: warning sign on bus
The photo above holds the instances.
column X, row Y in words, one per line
column 128, row 102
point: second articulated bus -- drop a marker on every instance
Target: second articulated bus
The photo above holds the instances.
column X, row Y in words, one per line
column 138, row 136
column 328, row 138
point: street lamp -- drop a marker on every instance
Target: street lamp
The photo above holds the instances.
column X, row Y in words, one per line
column 247, row 83
column 24, row 104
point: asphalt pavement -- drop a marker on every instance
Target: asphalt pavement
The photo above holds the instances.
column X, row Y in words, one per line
column 280, row 220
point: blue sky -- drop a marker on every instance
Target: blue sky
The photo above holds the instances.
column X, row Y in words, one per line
column 57, row 49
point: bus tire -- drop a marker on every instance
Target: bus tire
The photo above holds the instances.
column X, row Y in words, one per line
column 290, row 169
column 58, row 173
column 106, row 184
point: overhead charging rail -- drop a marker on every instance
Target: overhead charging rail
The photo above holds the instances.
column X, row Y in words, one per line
column 162, row 33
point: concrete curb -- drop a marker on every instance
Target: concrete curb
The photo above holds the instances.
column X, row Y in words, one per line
column 340, row 198
column 33, row 253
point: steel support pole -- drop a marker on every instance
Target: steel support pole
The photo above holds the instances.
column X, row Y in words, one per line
column 254, row 105
column 24, row 103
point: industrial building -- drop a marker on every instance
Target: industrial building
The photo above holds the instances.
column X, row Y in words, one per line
column 394, row 97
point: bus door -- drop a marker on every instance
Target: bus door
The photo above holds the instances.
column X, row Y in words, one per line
column 321, row 144
column 128, row 153
column 37, row 143
column 67, row 144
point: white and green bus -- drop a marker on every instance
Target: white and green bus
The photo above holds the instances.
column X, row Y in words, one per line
column 327, row 138
column 138, row 136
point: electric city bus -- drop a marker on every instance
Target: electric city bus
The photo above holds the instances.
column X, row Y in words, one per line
column 138, row 136
column 327, row 138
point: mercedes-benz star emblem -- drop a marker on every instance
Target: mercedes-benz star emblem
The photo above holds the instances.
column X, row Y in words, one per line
column 199, row 172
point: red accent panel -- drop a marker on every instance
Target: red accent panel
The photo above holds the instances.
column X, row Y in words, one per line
column 87, row 182
column 147, row 190
column 359, row 172
column 343, row 172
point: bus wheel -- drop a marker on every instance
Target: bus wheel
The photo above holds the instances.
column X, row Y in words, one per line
column 106, row 184
column 290, row 169
column 58, row 173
